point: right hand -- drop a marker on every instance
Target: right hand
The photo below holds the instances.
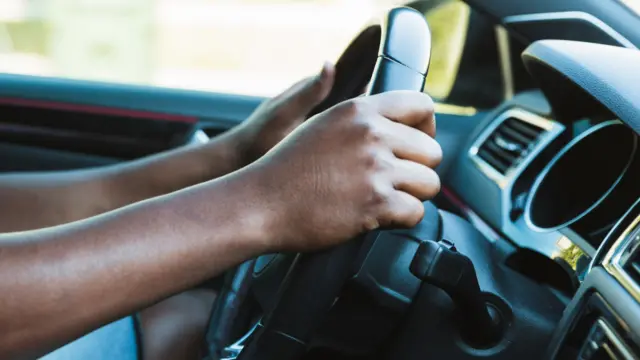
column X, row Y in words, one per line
column 365, row 163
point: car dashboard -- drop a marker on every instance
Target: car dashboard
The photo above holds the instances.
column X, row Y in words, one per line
column 543, row 198
column 499, row 194
column 556, row 171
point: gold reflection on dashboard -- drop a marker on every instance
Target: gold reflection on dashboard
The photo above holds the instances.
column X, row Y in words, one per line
column 572, row 255
column 626, row 244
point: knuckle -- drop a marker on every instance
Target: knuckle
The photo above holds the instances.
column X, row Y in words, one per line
column 366, row 131
column 363, row 127
column 378, row 196
column 359, row 105
column 370, row 223
column 371, row 133
column 370, row 161
column 378, row 161
column 358, row 108
column 362, row 120
column 377, row 203
column 349, row 108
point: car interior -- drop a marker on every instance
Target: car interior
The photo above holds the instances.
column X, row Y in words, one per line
column 530, row 251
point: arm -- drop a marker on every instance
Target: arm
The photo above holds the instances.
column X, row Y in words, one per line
column 39, row 200
column 61, row 282
column 36, row 200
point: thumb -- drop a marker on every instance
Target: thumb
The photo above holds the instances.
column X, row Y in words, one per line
column 309, row 92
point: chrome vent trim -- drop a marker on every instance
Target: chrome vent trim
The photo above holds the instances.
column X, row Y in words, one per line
column 503, row 176
column 625, row 248
column 604, row 339
column 509, row 144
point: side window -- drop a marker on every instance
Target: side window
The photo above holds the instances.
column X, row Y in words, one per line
column 254, row 47
column 465, row 69
column 449, row 22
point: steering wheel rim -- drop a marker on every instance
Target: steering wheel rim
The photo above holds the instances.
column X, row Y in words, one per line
column 314, row 281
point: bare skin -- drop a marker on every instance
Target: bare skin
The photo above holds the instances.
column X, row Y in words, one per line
column 175, row 327
column 364, row 163
column 31, row 201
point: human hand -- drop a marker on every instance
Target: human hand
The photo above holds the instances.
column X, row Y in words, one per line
column 363, row 164
column 274, row 119
column 233, row 150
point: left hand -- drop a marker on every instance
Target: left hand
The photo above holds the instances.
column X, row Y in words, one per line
column 274, row 119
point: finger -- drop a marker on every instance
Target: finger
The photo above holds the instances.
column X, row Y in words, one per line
column 306, row 94
column 415, row 179
column 410, row 144
column 411, row 108
column 403, row 210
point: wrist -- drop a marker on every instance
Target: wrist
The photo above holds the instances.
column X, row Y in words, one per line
column 244, row 138
column 238, row 146
column 245, row 200
column 269, row 211
column 222, row 155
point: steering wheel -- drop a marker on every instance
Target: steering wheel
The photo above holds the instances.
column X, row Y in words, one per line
column 391, row 55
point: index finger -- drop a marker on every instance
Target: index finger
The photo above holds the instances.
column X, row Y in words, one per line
column 412, row 108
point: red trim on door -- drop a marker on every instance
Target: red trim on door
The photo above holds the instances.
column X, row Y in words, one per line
column 100, row 110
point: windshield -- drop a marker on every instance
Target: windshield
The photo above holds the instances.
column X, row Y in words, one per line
column 256, row 47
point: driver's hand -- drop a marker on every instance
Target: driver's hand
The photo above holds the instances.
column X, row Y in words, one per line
column 277, row 117
column 365, row 163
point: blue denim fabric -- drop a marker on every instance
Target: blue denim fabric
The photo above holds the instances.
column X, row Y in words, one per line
column 114, row 341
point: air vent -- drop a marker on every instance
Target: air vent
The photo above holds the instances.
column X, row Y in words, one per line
column 509, row 143
column 603, row 343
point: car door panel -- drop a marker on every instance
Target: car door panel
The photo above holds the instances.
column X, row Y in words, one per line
column 17, row 157
column 53, row 124
column 48, row 124
column 223, row 109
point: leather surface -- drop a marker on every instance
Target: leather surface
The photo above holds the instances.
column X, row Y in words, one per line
column 407, row 39
column 609, row 75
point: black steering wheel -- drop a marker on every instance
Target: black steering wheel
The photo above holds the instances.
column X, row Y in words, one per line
column 391, row 55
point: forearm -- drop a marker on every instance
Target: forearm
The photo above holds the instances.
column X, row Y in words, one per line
column 61, row 282
column 173, row 170
column 37, row 200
